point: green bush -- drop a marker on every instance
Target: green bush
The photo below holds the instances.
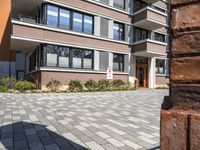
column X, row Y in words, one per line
column 103, row 84
column 75, row 86
column 53, row 85
column 3, row 88
column 118, row 83
column 91, row 85
column 23, row 86
column 6, row 80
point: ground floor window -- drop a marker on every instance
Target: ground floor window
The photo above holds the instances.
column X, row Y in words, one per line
column 162, row 66
column 118, row 62
column 68, row 57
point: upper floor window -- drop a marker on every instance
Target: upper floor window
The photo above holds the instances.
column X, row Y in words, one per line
column 118, row 31
column 64, row 20
column 70, row 20
column 161, row 66
column 160, row 37
column 77, row 22
column 118, row 62
column 119, row 4
column 140, row 4
column 141, row 34
column 52, row 15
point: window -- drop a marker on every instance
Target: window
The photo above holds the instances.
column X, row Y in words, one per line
column 52, row 16
column 141, row 34
column 160, row 37
column 63, row 57
column 160, row 66
column 140, row 4
column 32, row 61
column 77, row 22
column 118, row 31
column 118, row 62
column 88, row 59
column 88, row 24
column 119, row 4
column 77, row 58
column 52, row 55
column 64, row 21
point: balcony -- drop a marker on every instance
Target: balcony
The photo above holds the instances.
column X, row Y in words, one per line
column 149, row 47
column 150, row 19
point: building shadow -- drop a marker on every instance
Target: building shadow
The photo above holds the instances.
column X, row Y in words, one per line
column 155, row 148
column 24, row 135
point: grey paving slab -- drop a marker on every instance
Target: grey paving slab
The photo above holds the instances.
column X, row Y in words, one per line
column 80, row 121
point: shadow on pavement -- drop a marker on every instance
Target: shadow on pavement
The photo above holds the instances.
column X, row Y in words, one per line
column 24, row 135
column 155, row 148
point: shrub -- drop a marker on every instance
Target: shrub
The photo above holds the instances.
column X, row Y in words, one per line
column 129, row 84
column 118, row 83
column 91, row 85
column 23, row 86
column 53, row 85
column 103, row 84
column 3, row 88
column 6, row 80
column 75, row 86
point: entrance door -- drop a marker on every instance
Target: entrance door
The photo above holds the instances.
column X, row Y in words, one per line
column 142, row 75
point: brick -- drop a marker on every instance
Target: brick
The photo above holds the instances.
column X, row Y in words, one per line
column 194, row 133
column 185, row 70
column 173, row 130
column 186, row 17
column 186, row 43
column 175, row 2
column 186, row 96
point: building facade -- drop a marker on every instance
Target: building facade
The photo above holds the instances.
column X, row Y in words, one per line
column 80, row 39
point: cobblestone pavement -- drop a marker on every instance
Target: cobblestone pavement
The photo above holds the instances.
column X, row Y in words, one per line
column 69, row 121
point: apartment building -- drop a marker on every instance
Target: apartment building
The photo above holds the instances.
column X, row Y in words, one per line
column 79, row 39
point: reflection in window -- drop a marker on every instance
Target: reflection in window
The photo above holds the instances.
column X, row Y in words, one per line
column 64, row 21
column 160, row 37
column 51, row 55
column 87, row 59
column 88, row 24
column 63, row 57
column 119, row 4
column 160, row 66
column 118, row 62
column 77, row 58
column 141, row 34
column 118, row 31
column 52, row 16
column 140, row 4
column 77, row 22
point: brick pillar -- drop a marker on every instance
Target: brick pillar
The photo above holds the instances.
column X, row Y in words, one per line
column 180, row 114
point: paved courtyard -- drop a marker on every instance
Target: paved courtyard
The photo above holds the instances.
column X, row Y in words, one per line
column 70, row 121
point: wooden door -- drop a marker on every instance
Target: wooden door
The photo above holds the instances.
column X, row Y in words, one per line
column 142, row 75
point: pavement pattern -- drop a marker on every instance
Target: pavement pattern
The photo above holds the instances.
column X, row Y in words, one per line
column 122, row 120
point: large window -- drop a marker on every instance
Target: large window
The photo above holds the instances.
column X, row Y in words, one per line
column 141, row 34
column 52, row 53
column 118, row 31
column 77, row 22
column 119, row 4
column 162, row 66
column 140, row 4
column 160, row 37
column 69, row 20
column 88, row 24
column 67, row 57
column 64, row 20
column 63, row 57
column 118, row 62
column 52, row 16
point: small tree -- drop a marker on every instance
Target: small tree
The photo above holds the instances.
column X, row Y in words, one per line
column 75, row 86
column 53, row 85
column 91, row 85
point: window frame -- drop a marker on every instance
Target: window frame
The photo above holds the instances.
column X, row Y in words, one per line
column 122, row 37
column 122, row 8
column 165, row 67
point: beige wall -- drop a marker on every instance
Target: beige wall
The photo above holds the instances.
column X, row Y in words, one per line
column 162, row 80
column 53, row 36
column 65, row 77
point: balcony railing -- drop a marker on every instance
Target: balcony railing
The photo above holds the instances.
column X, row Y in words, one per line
column 154, row 38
